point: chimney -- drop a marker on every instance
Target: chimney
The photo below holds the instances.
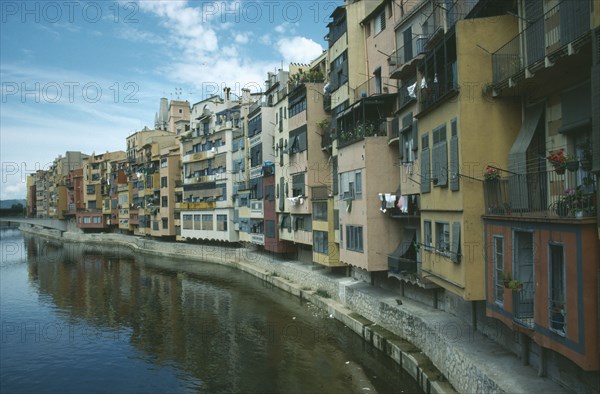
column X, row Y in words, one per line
column 245, row 95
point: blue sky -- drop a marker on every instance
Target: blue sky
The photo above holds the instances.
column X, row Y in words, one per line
column 83, row 75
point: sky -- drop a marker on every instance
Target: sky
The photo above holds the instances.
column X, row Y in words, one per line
column 83, row 75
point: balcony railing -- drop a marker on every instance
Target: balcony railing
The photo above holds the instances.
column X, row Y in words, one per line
column 361, row 130
column 542, row 195
column 190, row 206
column 405, row 54
column 371, row 87
column 544, row 37
column 433, row 91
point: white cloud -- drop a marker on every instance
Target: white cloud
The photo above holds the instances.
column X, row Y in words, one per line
column 265, row 39
column 298, row 49
column 241, row 38
column 286, row 28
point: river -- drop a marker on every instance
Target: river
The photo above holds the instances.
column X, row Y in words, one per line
column 79, row 320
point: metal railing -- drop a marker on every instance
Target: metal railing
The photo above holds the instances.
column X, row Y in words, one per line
column 406, row 53
column 447, row 82
column 542, row 194
column 542, row 37
column 372, row 86
column 361, row 130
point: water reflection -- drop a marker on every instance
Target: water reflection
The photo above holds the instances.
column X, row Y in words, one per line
column 136, row 325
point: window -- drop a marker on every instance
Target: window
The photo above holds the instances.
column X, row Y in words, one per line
column 207, row 222
column 427, row 239
column 298, row 187
column 87, row 220
column 320, row 242
column 354, row 238
column 270, row 193
column 91, row 189
column 320, row 210
column 358, row 185
column 221, row 222
column 164, row 201
column 442, row 237
column 297, row 107
column 163, row 162
column 557, row 290
column 298, row 140
column 380, row 22
column 408, row 139
column 91, row 204
column 440, row 157
column 270, row 228
column 498, row 254
column 298, row 223
column 97, row 219
column 165, row 223
column 336, row 219
column 378, row 81
column 149, row 182
column 163, row 181
column 351, row 185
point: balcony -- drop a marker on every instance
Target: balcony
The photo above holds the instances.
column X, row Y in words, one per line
column 558, row 33
column 193, row 206
column 258, row 239
column 327, row 140
column 402, row 61
column 434, row 92
column 547, row 195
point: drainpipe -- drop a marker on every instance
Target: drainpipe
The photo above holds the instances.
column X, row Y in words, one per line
column 524, row 348
column 474, row 315
column 542, row 366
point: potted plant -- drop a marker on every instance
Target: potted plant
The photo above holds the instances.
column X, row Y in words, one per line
column 558, row 159
column 492, row 174
column 515, row 285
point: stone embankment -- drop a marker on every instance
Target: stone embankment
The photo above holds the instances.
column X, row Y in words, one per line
column 440, row 351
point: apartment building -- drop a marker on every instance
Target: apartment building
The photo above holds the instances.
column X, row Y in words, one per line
column 301, row 163
column 170, row 175
column 207, row 210
column 31, row 196
column 75, row 194
column 138, row 199
column 276, row 90
column 540, row 216
column 96, row 175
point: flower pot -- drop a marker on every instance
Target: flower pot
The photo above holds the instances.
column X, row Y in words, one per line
column 572, row 166
column 560, row 169
column 586, row 164
column 578, row 214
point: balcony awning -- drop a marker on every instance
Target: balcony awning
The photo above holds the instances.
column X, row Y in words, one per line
column 576, row 108
column 404, row 257
column 517, row 157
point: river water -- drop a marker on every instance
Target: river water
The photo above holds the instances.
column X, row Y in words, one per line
column 77, row 320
